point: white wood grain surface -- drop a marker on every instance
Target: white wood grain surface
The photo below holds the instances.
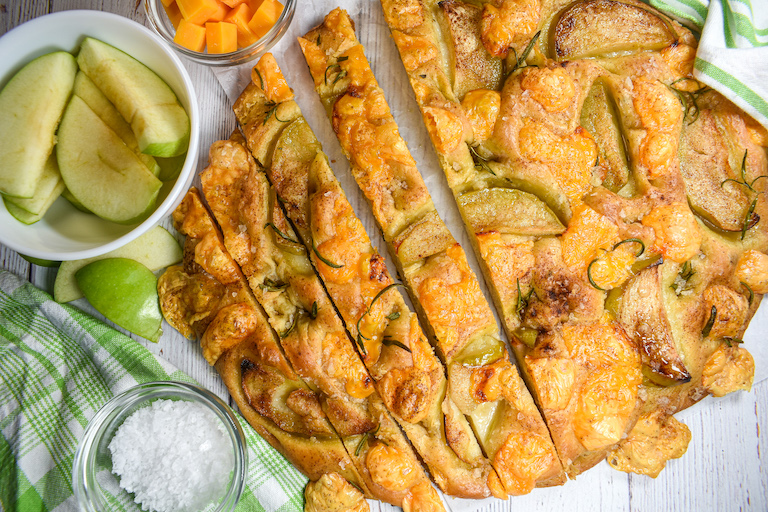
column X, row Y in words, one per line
column 726, row 466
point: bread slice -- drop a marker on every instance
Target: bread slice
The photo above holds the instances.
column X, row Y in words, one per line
column 482, row 381
column 208, row 295
column 583, row 171
column 408, row 377
column 311, row 333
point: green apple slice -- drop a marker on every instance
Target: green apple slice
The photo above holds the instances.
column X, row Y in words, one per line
column 103, row 174
column 87, row 91
column 170, row 167
column 158, row 121
column 155, row 249
column 20, row 214
column 32, row 103
column 124, row 291
column 49, row 188
column 66, row 194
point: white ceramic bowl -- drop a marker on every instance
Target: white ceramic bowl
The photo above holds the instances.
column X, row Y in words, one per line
column 65, row 233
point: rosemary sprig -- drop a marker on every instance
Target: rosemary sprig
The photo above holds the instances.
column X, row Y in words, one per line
column 520, row 61
column 360, row 337
column 365, row 438
column 272, row 286
column 393, row 316
column 523, row 300
column 749, row 290
column 389, row 341
column 481, row 163
column 589, row 276
column 273, row 110
column 280, row 233
column 287, row 331
column 617, row 244
column 629, row 241
column 323, row 259
column 341, row 74
column 361, row 444
column 710, row 322
column 689, row 99
column 749, row 222
column 743, row 174
column 683, row 277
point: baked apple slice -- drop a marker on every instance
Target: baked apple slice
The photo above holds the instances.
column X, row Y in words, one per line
column 596, row 28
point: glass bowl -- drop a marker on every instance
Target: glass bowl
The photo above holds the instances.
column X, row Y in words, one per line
column 159, row 21
column 97, row 489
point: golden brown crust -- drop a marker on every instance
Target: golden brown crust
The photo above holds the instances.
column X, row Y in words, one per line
column 408, row 377
column 433, row 265
column 244, row 349
column 603, row 142
column 311, row 333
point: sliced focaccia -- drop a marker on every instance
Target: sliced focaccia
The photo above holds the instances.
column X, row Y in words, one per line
column 208, row 295
column 407, row 375
column 481, row 379
column 614, row 203
column 311, row 333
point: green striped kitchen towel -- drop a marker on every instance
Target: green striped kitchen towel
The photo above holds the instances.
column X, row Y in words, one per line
column 733, row 49
column 58, row 366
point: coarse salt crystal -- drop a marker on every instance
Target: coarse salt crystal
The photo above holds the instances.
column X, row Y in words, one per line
column 173, row 455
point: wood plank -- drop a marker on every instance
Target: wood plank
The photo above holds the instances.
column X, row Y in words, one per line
column 726, row 466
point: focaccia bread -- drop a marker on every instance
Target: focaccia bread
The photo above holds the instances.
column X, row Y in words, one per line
column 615, row 204
column 482, row 381
column 209, row 297
column 409, row 378
column 310, row 332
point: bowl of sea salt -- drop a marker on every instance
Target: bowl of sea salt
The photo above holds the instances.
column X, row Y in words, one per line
column 161, row 447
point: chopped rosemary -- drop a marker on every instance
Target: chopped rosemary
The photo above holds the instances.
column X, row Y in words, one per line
column 743, row 174
column 318, row 40
column 341, row 74
column 749, row 290
column 368, row 310
column 290, row 328
column 365, row 438
column 313, row 311
column 522, row 301
column 683, row 277
column 710, row 322
column 362, row 442
column 282, row 235
column 324, row 260
column 359, row 341
column 589, row 276
column 273, row 110
column 749, row 222
column 481, row 163
column 632, row 240
column 730, row 340
column 272, row 286
column 689, row 99
column 393, row 316
column 520, row 61
column 388, row 341
column 261, row 79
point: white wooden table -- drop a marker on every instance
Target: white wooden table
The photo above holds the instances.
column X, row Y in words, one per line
column 726, row 466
